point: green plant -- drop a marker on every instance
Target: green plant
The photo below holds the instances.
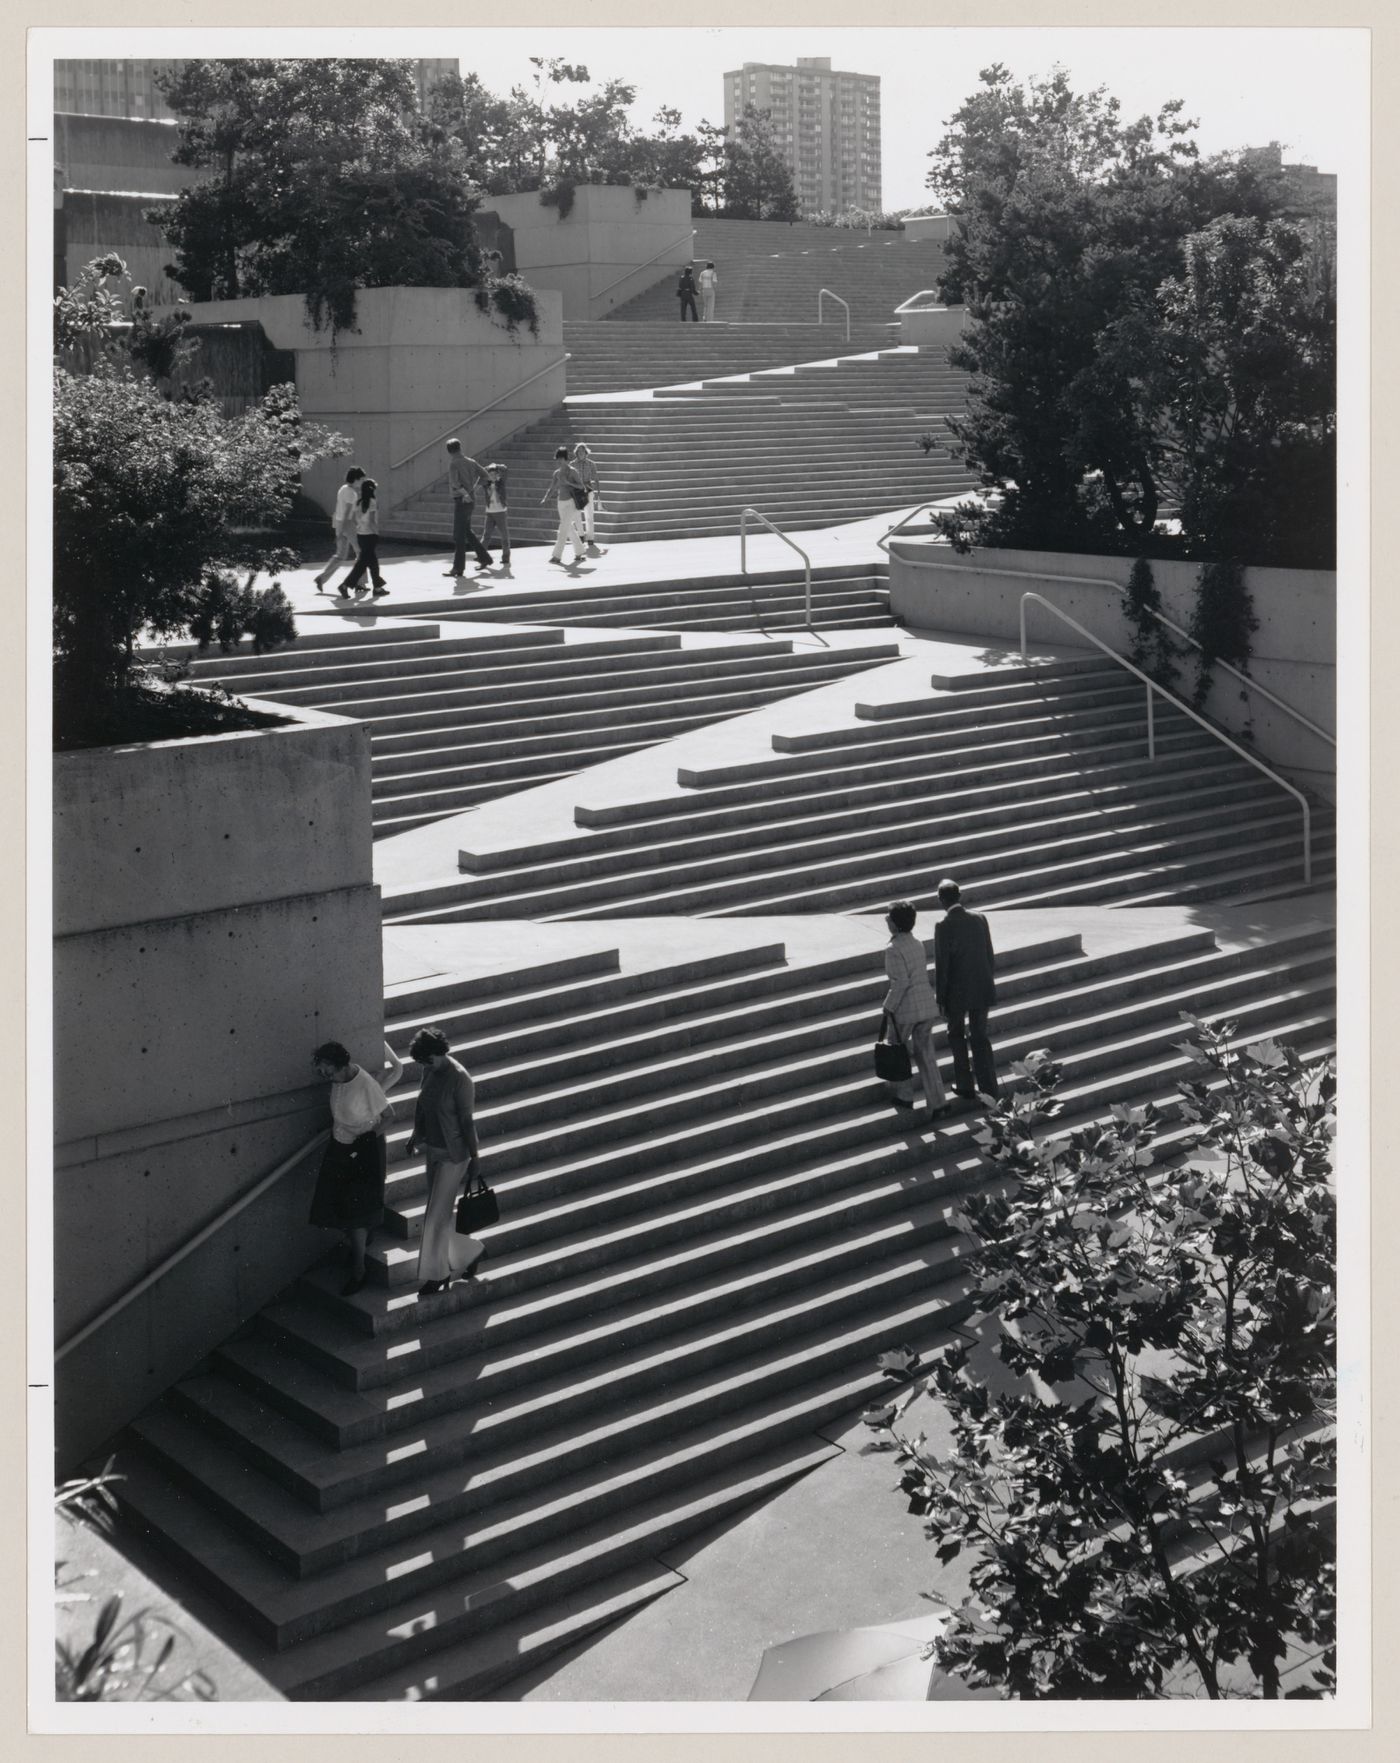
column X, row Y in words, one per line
column 151, row 497
column 513, row 298
column 560, row 197
column 1152, row 647
column 124, row 1661
column 228, row 610
column 1148, row 1506
column 1222, row 622
column 322, row 177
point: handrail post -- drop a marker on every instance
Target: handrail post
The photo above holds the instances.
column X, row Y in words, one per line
column 744, row 541
column 1151, row 729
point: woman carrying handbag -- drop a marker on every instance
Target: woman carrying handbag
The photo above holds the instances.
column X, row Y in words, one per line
column 912, row 1008
column 444, row 1127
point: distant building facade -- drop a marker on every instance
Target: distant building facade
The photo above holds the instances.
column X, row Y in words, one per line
column 128, row 88
column 826, row 126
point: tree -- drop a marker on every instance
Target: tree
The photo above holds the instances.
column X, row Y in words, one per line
column 1158, row 1521
column 1069, row 220
column 1251, row 338
column 327, row 179
column 156, row 499
column 757, row 182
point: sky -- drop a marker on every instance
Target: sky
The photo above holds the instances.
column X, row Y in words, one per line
column 1303, row 88
column 1307, row 89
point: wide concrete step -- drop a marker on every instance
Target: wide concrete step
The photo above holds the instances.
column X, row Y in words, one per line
column 745, row 869
column 587, row 674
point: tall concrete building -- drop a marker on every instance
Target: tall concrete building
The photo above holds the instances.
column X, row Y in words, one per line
column 826, row 125
column 128, row 88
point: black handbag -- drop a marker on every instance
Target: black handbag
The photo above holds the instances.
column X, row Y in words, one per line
column 891, row 1057
column 580, row 497
column 476, row 1209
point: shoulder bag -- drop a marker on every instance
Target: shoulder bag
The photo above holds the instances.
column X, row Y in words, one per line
column 477, row 1207
column 892, row 1061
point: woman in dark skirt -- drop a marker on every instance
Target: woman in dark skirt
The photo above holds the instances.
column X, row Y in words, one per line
column 350, row 1188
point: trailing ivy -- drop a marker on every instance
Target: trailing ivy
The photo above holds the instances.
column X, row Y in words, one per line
column 561, row 196
column 1152, row 648
column 513, row 299
column 1222, row 622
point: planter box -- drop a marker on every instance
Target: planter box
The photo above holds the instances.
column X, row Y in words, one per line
column 1294, row 649
column 215, row 918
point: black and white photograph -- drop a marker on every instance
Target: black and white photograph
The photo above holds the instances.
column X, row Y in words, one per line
column 699, row 987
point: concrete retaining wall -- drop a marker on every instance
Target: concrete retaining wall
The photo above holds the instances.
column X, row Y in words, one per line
column 421, row 361
column 932, row 324
column 215, row 918
column 1294, row 649
column 609, row 233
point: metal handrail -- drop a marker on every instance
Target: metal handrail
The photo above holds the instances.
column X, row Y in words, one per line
column 637, row 267
column 1176, row 702
column 883, row 542
column 186, row 1249
column 826, row 293
column 1101, row 581
column 909, row 304
column 462, row 421
column 744, row 514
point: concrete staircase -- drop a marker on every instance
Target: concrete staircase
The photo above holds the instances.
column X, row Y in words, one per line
column 1034, row 789
column 456, row 720
column 711, row 1223
column 816, row 447
column 771, row 274
column 621, row 355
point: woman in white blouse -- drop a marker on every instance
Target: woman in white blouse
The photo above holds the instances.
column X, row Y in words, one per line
column 350, row 1188
column 912, row 1007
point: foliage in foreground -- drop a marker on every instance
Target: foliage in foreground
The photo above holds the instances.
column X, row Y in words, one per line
column 125, row 1661
column 1149, row 1501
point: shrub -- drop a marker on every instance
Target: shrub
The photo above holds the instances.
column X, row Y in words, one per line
column 228, row 610
column 513, row 298
column 152, row 498
column 1149, row 1505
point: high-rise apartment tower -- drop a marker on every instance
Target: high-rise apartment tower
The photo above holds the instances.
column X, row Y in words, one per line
column 128, row 88
column 826, row 126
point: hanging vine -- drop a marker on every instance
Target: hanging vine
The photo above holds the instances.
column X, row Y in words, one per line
column 1153, row 649
column 1223, row 623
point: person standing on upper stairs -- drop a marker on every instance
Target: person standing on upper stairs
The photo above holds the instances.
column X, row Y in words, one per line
column 709, row 286
column 911, row 1006
column 588, row 477
column 685, row 293
column 463, row 475
column 965, row 981
column 568, row 494
column 343, row 525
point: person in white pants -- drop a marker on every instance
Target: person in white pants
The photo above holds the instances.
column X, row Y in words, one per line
column 588, row 476
column 562, row 486
column 709, row 282
column 343, row 524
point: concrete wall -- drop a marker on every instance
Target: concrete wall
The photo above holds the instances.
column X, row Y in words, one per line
column 91, row 223
column 932, row 324
column 1294, row 650
column 927, row 226
column 608, row 234
column 420, row 363
column 121, row 153
column 215, row 917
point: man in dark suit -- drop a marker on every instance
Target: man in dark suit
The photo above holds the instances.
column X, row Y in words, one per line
column 964, row 982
